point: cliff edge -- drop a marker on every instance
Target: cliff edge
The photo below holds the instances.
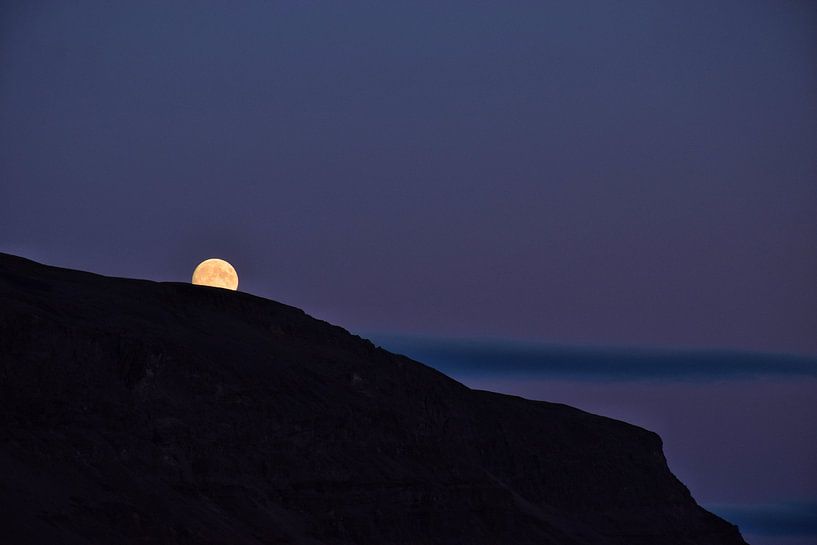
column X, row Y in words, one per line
column 143, row 412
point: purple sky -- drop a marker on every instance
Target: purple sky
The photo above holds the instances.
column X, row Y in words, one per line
column 587, row 172
column 641, row 173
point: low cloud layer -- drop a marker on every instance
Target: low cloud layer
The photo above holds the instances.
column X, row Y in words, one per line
column 510, row 358
column 783, row 519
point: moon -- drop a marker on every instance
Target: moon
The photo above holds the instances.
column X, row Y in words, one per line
column 216, row 273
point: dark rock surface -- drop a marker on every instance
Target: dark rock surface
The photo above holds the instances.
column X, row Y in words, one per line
column 142, row 412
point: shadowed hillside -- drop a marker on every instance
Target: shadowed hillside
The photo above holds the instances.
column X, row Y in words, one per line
column 142, row 412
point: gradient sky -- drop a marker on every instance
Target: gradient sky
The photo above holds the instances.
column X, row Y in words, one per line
column 576, row 172
column 638, row 173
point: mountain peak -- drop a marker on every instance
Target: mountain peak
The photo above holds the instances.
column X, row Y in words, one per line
column 144, row 412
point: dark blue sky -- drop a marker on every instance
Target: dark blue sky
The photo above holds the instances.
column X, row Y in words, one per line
column 639, row 173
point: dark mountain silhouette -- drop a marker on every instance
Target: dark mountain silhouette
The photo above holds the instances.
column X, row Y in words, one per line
column 142, row 412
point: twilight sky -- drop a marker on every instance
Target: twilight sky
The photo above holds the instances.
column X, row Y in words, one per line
column 637, row 173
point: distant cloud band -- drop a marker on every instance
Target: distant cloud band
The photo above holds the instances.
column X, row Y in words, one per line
column 784, row 519
column 510, row 358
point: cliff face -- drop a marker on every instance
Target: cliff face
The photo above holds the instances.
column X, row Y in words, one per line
column 143, row 412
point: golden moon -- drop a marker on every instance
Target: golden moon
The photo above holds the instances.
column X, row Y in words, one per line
column 216, row 273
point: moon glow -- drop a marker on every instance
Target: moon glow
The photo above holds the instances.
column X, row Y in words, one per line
column 216, row 273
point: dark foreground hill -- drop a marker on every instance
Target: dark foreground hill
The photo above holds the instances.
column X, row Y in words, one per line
column 142, row 412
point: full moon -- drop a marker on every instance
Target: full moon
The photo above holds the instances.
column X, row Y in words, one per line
column 216, row 273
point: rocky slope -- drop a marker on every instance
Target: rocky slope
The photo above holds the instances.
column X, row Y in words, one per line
column 142, row 412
